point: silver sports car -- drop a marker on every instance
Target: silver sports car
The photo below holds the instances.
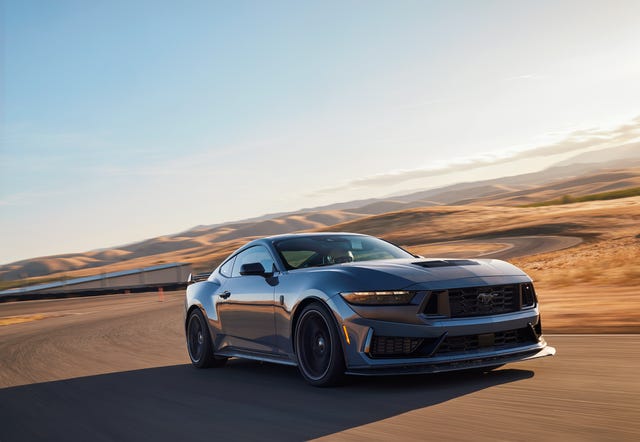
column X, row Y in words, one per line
column 342, row 303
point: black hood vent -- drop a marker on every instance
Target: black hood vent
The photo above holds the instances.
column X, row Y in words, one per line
column 446, row 263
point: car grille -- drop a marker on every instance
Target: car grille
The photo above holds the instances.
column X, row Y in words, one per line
column 482, row 301
column 455, row 344
column 390, row 346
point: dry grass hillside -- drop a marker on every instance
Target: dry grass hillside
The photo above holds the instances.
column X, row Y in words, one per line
column 588, row 220
column 589, row 287
column 202, row 246
column 199, row 246
column 583, row 185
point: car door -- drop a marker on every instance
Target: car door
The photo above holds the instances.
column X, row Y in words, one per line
column 246, row 304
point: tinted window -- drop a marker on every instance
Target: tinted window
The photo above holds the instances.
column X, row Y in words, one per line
column 226, row 268
column 254, row 254
column 312, row 251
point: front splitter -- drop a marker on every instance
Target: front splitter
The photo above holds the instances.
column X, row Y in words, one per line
column 444, row 366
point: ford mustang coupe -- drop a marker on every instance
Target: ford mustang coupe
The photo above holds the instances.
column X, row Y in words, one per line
column 342, row 303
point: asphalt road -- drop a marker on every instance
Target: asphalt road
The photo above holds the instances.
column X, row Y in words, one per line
column 531, row 245
column 514, row 246
column 115, row 368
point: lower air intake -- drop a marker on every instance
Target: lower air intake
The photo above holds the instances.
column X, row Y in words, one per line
column 393, row 346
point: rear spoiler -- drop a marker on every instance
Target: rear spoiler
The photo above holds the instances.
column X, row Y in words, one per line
column 197, row 277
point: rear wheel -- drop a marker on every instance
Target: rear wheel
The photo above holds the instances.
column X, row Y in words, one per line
column 199, row 342
column 318, row 347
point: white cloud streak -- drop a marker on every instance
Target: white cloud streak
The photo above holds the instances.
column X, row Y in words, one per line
column 579, row 140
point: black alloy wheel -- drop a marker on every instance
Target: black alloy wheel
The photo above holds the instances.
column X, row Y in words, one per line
column 199, row 342
column 318, row 347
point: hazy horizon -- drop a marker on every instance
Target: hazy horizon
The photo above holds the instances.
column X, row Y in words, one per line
column 126, row 121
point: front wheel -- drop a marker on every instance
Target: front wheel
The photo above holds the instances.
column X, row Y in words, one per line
column 199, row 342
column 318, row 347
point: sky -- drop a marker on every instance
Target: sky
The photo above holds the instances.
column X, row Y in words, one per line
column 125, row 120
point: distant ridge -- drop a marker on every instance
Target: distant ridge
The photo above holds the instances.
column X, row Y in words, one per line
column 204, row 245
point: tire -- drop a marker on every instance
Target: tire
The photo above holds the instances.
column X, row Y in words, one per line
column 199, row 343
column 318, row 347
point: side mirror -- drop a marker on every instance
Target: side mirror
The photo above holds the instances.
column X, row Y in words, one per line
column 253, row 268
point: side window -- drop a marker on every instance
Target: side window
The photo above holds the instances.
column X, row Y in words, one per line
column 254, row 254
column 225, row 269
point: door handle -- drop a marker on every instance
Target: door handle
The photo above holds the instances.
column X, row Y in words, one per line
column 225, row 294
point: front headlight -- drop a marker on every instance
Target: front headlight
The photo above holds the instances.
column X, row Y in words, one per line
column 388, row 297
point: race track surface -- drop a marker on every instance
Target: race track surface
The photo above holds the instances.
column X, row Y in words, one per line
column 531, row 245
column 115, row 368
column 514, row 246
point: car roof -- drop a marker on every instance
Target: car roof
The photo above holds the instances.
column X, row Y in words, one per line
column 285, row 236
column 309, row 234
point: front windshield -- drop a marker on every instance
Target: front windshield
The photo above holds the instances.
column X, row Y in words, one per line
column 323, row 250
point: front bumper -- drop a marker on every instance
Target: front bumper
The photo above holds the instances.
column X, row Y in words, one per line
column 453, row 363
column 361, row 360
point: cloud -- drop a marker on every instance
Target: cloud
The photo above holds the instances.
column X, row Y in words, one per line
column 576, row 141
column 27, row 198
column 528, row 77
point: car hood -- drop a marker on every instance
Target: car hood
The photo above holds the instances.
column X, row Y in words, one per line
column 425, row 274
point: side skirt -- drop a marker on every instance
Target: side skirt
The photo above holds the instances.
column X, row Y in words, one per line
column 256, row 356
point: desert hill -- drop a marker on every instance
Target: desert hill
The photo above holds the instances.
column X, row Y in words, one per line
column 429, row 216
column 597, row 182
column 192, row 246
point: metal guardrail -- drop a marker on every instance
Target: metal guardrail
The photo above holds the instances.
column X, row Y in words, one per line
column 165, row 277
column 84, row 293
